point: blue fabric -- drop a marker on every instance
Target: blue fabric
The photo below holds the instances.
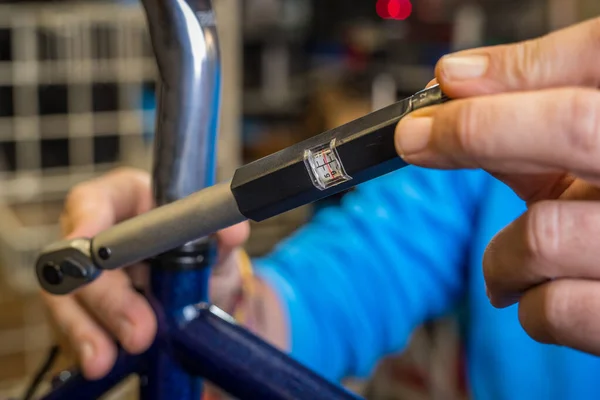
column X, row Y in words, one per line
column 404, row 249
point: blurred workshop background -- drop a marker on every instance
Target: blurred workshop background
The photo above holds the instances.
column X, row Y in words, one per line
column 77, row 99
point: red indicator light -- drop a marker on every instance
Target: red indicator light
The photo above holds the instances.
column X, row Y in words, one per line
column 394, row 9
column 382, row 9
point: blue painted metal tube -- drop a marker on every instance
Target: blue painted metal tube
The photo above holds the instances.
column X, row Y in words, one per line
column 165, row 378
column 209, row 343
column 80, row 388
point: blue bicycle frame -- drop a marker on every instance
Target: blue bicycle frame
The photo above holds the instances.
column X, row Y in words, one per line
column 195, row 340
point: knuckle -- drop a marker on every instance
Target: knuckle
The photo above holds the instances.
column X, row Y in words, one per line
column 525, row 63
column 76, row 332
column 583, row 124
column 107, row 302
column 109, row 305
column 76, row 201
column 468, row 129
column 74, row 195
column 543, row 235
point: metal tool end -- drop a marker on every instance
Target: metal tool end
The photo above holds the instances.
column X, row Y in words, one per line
column 66, row 266
column 430, row 96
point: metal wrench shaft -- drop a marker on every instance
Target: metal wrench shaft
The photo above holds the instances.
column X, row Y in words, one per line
column 259, row 190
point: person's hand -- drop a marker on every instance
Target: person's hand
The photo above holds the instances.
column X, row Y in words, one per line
column 529, row 114
column 110, row 307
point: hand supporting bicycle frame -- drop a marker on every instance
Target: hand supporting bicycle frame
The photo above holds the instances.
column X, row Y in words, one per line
column 195, row 339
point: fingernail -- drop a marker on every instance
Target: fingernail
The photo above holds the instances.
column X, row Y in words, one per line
column 412, row 135
column 461, row 68
column 86, row 350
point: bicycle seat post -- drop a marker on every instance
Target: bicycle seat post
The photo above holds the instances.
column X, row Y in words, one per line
column 184, row 38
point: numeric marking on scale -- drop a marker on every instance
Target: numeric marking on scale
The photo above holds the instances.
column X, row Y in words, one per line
column 324, row 166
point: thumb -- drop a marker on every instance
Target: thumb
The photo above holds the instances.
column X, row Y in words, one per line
column 567, row 57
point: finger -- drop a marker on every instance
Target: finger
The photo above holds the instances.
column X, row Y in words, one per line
column 139, row 275
column 552, row 240
column 226, row 278
column 226, row 282
column 232, row 237
column 229, row 240
column 581, row 190
column 431, row 83
column 567, row 57
column 547, row 131
column 563, row 312
column 99, row 203
column 121, row 310
column 535, row 187
column 95, row 349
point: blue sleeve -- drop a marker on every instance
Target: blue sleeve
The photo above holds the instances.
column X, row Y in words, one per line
column 360, row 277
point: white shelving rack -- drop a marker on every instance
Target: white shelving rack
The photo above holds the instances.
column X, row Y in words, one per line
column 72, row 77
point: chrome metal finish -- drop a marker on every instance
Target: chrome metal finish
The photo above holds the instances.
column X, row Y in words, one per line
column 184, row 38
